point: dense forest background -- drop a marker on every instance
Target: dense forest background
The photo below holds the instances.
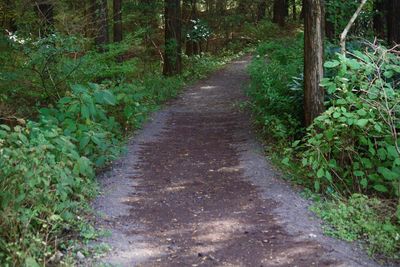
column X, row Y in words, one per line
column 77, row 77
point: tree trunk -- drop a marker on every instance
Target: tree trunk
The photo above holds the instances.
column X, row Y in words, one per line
column 302, row 10
column 172, row 58
column 393, row 22
column 279, row 12
column 191, row 46
column 378, row 21
column 117, row 10
column 261, row 9
column 294, row 10
column 330, row 30
column 220, row 7
column 100, row 17
column 313, row 59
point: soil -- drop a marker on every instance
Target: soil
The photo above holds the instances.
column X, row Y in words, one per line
column 194, row 189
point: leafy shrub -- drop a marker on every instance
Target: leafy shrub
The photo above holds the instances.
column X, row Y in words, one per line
column 83, row 117
column 353, row 146
column 264, row 30
column 363, row 218
column 40, row 71
column 43, row 180
column 275, row 101
column 199, row 31
column 46, row 170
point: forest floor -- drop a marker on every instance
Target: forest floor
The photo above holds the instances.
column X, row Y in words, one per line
column 194, row 189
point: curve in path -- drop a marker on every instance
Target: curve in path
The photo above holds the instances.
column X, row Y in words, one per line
column 195, row 190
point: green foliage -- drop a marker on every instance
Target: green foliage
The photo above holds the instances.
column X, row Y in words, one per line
column 364, row 218
column 199, row 31
column 82, row 116
column 40, row 70
column 47, row 167
column 338, row 14
column 353, row 146
column 277, row 103
column 44, row 180
column 263, row 31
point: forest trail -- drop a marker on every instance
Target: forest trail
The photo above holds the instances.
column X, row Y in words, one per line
column 194, row 189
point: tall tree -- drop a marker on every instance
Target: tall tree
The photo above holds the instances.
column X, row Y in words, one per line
column 313, row 59
column 117, row 16
column 302, row 9
column 393, row 22
column 173, row 28
column 190, row 7
column 220, row 6
column 294, row 10
column 261, row 9
column 279, row 12
column 100, row 17
column 378, row 19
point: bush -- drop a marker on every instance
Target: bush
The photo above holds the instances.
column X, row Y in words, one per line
column 264, row 30
column 364, row 218
column 353, row 146
column 43, row 179
column 38, row 72
column 275, row 94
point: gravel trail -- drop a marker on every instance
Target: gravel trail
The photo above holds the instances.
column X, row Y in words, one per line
column 195, row 189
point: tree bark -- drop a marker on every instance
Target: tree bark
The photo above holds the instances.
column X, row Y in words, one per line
column 313, row 59
column 393, row 22
column 261, row 9
column 117, row 12
column 172, row 53
column 302, row 10
column 294, row 10
column 378, row 21
column 191, row 46
column 100, row 17
column 279, row 12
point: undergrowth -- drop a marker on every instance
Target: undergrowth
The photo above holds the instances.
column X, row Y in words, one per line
column 86, row 103
column 350, row 154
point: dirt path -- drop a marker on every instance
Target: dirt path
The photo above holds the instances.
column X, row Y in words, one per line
column 195, row 190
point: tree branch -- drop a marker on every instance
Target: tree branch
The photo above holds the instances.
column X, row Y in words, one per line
column 347, row 29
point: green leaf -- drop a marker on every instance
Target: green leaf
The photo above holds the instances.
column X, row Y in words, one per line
column 5, row 127
column 336, row 115
column 353, row 64
column 328, row 176
column 79, row 89
column 320, row 173
column 331, row 64
column 378, row 128
column 109, row 98
column 31, row 262
column 392, row 151
column 330, row 134
column 380, row 188
column 388, row 74
column 359, row 173
column 362, row 122
column 317, row 186
column 285, row 161
column 84, row 141
column 364, row 183
column 85, row 111
column 388, row 174
column 362, row 112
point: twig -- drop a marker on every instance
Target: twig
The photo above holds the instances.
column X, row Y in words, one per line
column 347, row 29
